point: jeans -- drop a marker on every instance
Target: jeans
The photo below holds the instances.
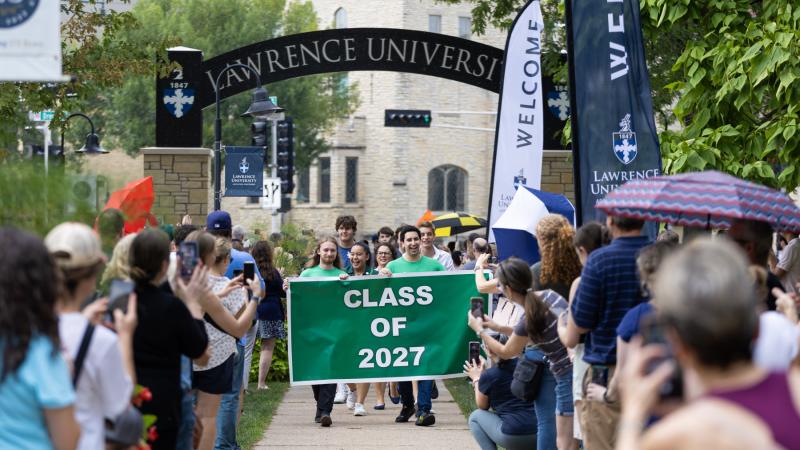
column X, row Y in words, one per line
column 545, row 405
column 249, row 342
column 486, row 428
column 229, row 407
column 186, row 425
column 423, row 395
column 323, row 394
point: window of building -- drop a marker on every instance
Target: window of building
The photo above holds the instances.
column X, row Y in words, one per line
column 340, row 18
column 303, row 185
column 435, row 23
column 447, row 188
column 464, row 27
column 253, row 200
column 351, row 173
column 325, row 180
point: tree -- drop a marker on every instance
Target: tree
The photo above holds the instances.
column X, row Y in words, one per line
column 725, row 80
column 315, row 102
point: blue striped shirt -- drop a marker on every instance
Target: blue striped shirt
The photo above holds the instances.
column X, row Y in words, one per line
column 609, row 287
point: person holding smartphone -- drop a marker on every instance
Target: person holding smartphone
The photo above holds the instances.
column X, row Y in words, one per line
column 501, row 418
column 105, row 373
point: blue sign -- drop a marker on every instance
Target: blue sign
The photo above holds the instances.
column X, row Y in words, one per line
column 615, row 137
column 178, row 101
column 17, row 12
column 244, row 171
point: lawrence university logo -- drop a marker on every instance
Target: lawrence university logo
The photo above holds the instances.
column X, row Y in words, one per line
column 624, row 141
column 177, row 101
column 244, row 166
column 558, row 101
column 520, row 179
column 15, row 12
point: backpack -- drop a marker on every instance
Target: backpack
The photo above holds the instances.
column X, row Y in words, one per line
column 528, row 378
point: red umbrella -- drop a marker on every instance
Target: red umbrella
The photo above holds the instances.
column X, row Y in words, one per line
column 135, row 201
column 701, row 199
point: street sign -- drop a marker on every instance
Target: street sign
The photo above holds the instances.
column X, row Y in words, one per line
column 41, row 116
column 272, row 193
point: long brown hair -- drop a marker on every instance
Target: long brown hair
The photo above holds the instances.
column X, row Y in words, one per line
column 315, row 259
column 560, row 263
column 514, row 274
column 262, row 253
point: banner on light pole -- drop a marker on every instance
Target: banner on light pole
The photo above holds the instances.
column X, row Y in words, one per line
column 377, row 328
column 30, row 43
column 519, row 138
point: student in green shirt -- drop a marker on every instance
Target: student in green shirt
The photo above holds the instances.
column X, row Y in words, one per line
column 326, row 263
column 413, row 261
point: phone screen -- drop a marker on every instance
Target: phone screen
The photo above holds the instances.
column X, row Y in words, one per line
column 600, row 375
column 476, row 306
column 652, row 331
column 118, row 295
column 249, row 270
column 189, row 258
column 475, row 352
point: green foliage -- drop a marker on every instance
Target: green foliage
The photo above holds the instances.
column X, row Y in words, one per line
column 297, row 247
column 463, row 393
column 215, row 27
column 259, row 409
column 279, row 370
column 35, row 203
column 725, row 77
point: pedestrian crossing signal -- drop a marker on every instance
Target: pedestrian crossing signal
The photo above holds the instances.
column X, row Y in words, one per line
column 420, row 118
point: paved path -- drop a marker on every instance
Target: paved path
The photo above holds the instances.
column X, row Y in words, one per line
column 293, row 426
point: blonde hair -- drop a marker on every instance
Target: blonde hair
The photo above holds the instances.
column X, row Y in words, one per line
column 222, row 249
column 560, row 263
column 120, row 265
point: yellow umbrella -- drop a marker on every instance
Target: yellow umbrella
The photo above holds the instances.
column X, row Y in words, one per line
column 456, row 223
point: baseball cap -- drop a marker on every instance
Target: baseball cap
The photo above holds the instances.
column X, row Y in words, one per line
column 74, row 246
column 218, row 220
column 127, row 428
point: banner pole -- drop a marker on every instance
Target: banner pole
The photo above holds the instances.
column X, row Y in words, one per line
column 573, row 116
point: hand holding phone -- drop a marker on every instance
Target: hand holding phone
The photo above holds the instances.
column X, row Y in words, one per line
column 476, row 306
column 249, row 271
column 189, row 257
column 652, row 331
column 118, row 295
column 475, row 352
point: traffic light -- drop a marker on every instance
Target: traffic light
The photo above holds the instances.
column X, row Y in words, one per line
column 259, row 130
column 286, row 155
column 420, row 118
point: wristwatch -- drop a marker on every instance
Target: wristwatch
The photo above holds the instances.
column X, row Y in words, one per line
column 255, row 299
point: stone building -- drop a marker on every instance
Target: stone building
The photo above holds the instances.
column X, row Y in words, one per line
column 387, row 175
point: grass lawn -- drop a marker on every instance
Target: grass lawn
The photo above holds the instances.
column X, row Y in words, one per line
column 259, row 406
column 463, row 394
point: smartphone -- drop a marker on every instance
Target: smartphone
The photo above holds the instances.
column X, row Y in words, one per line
column 652, row 331
column 189, row 259
column 249, row 271
column 475, row 352
column 476, row 306
column 118, row 296
column 237, row 272
column 600, row 375
column 493, row 260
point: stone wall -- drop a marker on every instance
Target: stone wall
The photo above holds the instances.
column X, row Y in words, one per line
column 181, row 182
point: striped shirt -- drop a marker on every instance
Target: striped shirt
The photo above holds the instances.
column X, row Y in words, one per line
column 551, row 345
column 609, row 288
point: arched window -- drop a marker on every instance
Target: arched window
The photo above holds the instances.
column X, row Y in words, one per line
column 340, row 18
column 447, row 188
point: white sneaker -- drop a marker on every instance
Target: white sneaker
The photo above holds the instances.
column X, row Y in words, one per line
column 341, row 393
column 351, row 400
column 359, row 410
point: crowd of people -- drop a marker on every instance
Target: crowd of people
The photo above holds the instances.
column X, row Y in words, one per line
column 626, row 343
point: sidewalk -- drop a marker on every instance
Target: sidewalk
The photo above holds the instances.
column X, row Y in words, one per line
column 293, row 426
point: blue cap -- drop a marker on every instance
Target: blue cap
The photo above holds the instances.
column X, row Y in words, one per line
column 218, row 220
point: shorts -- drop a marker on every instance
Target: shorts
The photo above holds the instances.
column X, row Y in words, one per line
column 218, row 380
column 564, row 403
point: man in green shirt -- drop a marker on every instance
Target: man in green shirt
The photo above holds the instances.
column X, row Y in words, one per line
column 413, row 261
column 326, row 263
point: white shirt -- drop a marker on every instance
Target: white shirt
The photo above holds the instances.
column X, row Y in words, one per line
column 777, row 342
column 444, row 258
column 222, row 345
column 104, row 387
column 789, row 261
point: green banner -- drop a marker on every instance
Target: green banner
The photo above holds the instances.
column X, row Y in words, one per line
column 377, row 328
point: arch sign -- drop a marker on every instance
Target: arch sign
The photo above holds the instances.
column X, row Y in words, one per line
column 181, row 97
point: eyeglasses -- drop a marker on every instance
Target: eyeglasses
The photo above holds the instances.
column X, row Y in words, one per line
column 384, row 253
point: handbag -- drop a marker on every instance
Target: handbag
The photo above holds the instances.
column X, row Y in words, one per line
column 528, row 378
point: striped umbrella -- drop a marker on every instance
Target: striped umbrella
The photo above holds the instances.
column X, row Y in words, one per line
column 455, row 223
column 701, row 199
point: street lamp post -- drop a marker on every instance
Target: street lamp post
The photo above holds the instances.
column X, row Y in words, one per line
column 260, row 107
column 92, row 145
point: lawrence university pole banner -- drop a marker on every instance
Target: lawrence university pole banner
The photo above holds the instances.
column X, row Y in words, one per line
column 376, row 328
column 519, row 137
column 614, row 134
column 30, row 42
column 244, row 171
